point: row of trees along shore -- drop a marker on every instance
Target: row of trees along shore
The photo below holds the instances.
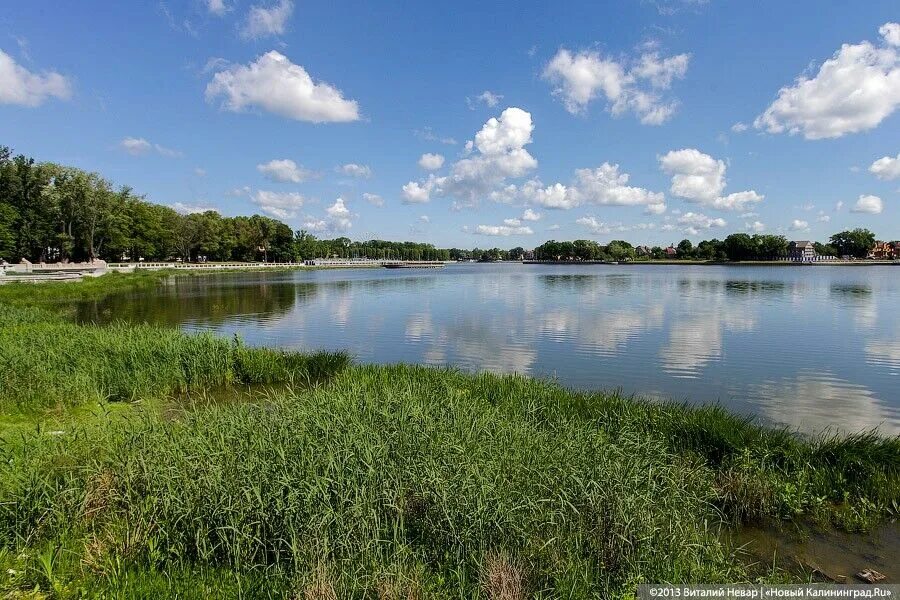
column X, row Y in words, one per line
column 855, row 243
column 50, row 212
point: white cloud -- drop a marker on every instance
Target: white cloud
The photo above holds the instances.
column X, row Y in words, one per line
column 281, row 205
column 497, row 153
column 415, row 193
column 839, row 205
column 886, row 168
column 431, row 162
column 755, row 226
column 597, row 227
column 264, row 21
column 188, row 209
column 486, row 97
column 20, row 86
column 853, row 91
column 530, row 215
column 338, row 219
column 199, row 172
column 355, row 170
column 868, row 204
column 284, row 171
column 605, row 185
column 579, row 79
column 140, row 146
column 217, row 7
column 692, row 222
column 502, row 230
column 512, row 222
column 373, row 199
column 822, row 217
column 698, row 177
column 891, row 33
column 276, row 85
column 424, row 219
column 739, row 127
column 799, row 225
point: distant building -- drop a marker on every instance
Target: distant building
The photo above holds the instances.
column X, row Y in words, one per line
column 671, row 252
column 884, row 250
column 802, row 250
column 642, row 251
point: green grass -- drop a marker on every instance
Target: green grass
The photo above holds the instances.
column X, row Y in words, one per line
column 381, row 481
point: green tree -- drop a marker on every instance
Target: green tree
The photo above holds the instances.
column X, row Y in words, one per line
column 856, row 242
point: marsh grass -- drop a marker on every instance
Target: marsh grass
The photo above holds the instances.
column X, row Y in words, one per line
column 403, row 481
column 49, row 362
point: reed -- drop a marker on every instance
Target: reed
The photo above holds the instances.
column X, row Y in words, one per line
column 423, row 481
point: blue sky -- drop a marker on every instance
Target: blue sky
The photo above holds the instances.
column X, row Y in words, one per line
column 648, row 121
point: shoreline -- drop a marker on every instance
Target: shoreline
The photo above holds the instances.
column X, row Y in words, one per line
column 713, row 263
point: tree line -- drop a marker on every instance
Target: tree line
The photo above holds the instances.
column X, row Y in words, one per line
column 51, row 212
column 855, row 243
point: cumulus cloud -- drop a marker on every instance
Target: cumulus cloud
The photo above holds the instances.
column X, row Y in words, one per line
column 416, row 193
column 355, row 170
column 692, row 222
column 739, row 127
column 373, row 199
column 285, row 171
column 20, row 86
column 868, row 204
column 530, row 215
column 338, row 219
column 281, row 205
column 263, row 21
column 891, row 33
column 140, row 146
column 886, row 167
column 579, row 78
column 503, row 230
column 853, row 91
column 700, row 178
column 496, row 154
column 604, row 185
column 822, row 217
column 431, row 162
column 275, row 84
column 799, row 225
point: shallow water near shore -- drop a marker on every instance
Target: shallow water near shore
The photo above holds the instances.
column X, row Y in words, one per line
column 830, row 555
column 810, row 348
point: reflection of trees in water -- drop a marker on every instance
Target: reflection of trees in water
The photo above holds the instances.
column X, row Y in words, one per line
column 198, row 302
column 736, row 287
column 581, row 282
column 851, row 291
column 213, row 299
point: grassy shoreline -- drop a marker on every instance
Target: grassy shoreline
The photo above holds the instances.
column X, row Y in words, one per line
column 373, row 481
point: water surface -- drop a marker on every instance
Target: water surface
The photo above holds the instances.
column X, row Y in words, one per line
column 810, row 347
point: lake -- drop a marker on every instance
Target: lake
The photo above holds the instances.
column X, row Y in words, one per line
column 810, row 347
